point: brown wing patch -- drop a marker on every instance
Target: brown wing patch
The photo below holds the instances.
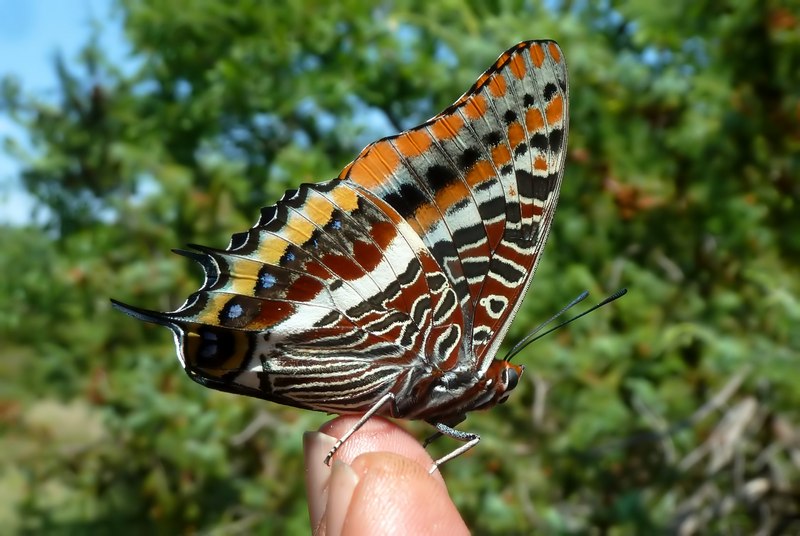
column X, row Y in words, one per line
column 534, row 120
column 447, row 127
column 497, row 86
column 452, row 194
column 501, row 156
column 516, row 134
column 518, row 67
column 413, row 143
column 482, row 171
column 537, row 56
column 475, row 108
column 555, row 110
column 555, row 52
column 375, row 167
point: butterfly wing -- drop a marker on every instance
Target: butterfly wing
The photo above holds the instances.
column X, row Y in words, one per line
column 479, row 184
column 382, row 278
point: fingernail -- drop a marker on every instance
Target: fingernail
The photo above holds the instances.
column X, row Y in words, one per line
column 316, row 446
column 342, row 484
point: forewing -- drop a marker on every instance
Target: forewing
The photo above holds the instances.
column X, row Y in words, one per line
column 479, row 184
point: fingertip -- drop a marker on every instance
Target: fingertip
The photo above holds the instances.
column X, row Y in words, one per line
column 376, row 435
column 397, row 493
column 316, row 446
column 340, row 492
column 386, row 489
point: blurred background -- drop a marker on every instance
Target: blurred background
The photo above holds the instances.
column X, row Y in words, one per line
column 141, row 125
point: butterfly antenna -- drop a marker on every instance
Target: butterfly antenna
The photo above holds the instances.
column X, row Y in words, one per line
column 532, row 336
column 524, row 342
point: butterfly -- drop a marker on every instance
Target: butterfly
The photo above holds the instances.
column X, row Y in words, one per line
column 388, row 290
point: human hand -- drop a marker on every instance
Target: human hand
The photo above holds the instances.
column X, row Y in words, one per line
column 378, row 483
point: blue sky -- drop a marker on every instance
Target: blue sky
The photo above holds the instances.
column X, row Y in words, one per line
column 31, row 33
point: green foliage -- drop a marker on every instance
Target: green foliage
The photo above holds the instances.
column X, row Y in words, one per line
column 673, row 410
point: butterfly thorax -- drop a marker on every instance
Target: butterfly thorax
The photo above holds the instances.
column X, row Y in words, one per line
column 448, row 395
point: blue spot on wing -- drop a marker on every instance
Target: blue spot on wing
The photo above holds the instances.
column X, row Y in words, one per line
column 235, row 311
column 267, row 280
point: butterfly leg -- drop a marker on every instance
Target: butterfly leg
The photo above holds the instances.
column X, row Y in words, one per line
column 433, row 437
column 468, row 438
column 385, row 399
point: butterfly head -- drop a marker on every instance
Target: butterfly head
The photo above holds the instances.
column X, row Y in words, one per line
column 501, row 378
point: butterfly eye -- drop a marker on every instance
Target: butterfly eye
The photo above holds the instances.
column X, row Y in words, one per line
column 510, row 378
